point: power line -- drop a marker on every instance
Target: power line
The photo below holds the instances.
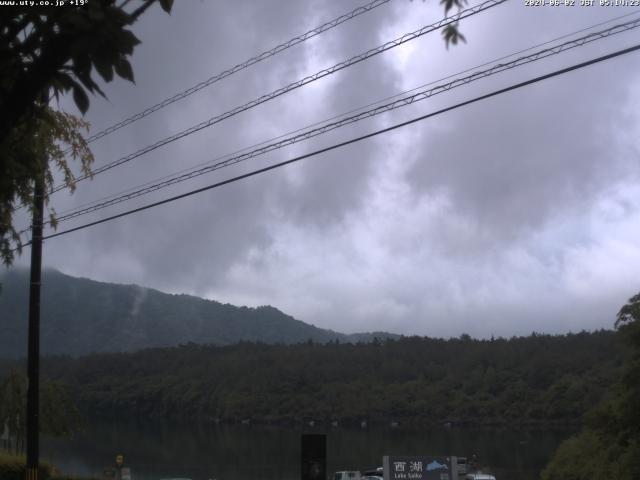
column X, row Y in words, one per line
column 384, row 108
column 241, row 66
column 351, row 141
column 407, row 37
column 224, row 74
column 334, row 117
column 402, row 102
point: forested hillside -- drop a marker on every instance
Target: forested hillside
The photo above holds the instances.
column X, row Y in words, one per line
column 539, row 379
column 608, row 447
column 81, row 316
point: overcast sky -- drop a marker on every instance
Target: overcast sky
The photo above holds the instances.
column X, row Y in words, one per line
column 516, row 214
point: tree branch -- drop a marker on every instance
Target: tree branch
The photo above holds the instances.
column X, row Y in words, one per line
column 141, row 9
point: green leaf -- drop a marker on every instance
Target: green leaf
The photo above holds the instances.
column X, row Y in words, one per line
column 166, row 5
column 452, row 35
column 89, row 84
column 449, row 4
column 65, row 81
column 104, row 69
column 124, row 70
column 81, row 99
column 95, row 14
column 61, row 83
column 53, row 221
column 81, row 64
column 126, row 41
column 79, row 22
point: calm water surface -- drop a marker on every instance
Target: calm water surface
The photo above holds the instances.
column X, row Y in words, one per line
column 200, row 452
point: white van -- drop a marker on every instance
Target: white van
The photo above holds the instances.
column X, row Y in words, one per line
column 462, row 465
column 347, row 475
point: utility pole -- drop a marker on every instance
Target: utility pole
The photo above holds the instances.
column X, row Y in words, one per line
column 33, row 358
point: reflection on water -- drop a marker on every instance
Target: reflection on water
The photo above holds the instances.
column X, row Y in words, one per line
column 155, row 451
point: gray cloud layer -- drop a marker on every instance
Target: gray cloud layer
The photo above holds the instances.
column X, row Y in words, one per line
column 520, row 213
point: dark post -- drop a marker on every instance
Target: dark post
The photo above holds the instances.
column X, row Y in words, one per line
column 33, row 358
column 313, row 457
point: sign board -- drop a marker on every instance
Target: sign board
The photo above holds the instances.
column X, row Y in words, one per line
column 313, row 457
column 419, row 468
column 125, row 473
column 119, row 460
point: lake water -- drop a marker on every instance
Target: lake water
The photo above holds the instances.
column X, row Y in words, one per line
column 155, row 451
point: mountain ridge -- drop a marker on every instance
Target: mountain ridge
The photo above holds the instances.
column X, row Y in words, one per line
column 82, row 316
